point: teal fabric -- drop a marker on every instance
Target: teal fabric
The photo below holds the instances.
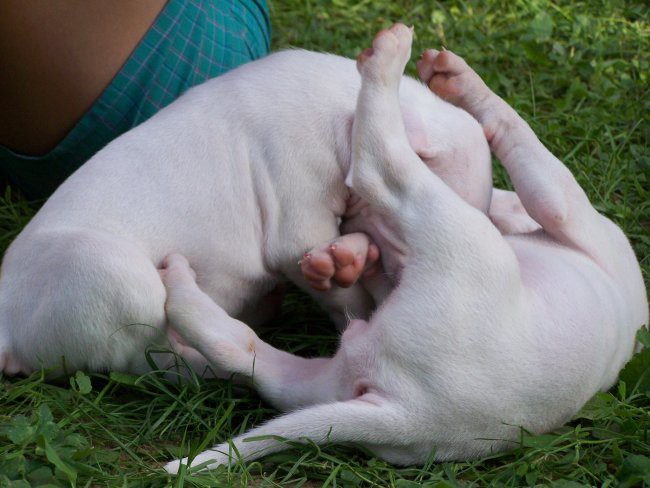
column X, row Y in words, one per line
column 189, row 42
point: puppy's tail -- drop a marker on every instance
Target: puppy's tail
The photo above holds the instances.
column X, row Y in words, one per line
column 380, row 426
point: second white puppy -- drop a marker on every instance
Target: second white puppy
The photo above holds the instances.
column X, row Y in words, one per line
column 484, row 333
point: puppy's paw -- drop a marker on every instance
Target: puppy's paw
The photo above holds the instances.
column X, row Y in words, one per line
column 341, row 262
column 452, row 79
column 386, row 59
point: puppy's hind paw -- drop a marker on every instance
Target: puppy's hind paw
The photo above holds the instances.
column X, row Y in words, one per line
column 385, row 61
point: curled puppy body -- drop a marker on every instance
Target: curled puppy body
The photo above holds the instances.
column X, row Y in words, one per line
column 242, row 175
column 485, row 333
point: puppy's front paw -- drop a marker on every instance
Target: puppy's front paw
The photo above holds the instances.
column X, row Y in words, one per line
column 450, row 77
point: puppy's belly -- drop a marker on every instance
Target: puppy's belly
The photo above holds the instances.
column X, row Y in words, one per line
column 578, row 309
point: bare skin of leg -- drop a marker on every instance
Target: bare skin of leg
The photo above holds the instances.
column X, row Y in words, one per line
column 562, row 209
column 57, row 59
column 342, row 261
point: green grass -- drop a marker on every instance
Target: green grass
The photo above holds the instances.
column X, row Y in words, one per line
column 578, row 72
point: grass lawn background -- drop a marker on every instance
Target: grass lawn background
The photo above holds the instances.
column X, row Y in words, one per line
column 578, row 72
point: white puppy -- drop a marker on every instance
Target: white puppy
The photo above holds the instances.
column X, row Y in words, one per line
column 484, row 333
column 242, row 175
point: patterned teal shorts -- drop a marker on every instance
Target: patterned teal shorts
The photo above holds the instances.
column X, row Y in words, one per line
column 189, row 42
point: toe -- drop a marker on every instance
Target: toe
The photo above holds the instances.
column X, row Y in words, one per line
column 364, row 56
column 450, row 63
column 314, row 276
column 445, row 87
column 425, row 65
column 317, row 268
column 385, row 39
column 373, row 254
column 403, row 33
column 343, row 256
column 389, row 54
column 349, row 264
column 391, row 40
column 347, row 276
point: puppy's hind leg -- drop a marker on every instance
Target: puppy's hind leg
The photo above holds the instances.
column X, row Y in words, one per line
column 81, row 299
column 547, row 189
column 286, row 380
column 386, row 171
column 388, row 174
column 451, row 248
column 379, row 137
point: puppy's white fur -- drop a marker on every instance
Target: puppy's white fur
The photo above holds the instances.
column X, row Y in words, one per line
column 484, row 334
column 242, row 175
